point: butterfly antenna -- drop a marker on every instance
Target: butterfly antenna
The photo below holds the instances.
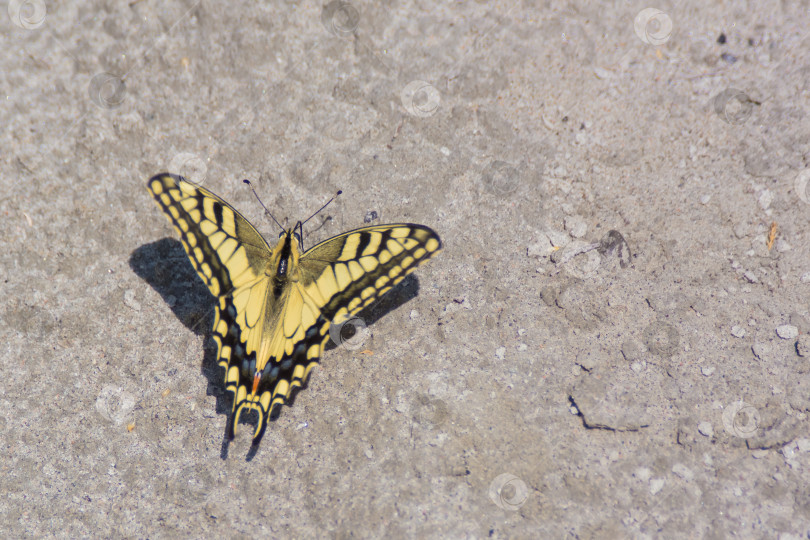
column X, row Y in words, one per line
column 321, row 208
column 266, row 211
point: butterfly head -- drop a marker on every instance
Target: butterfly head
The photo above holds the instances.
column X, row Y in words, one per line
column 293, row 234
column 286, row 253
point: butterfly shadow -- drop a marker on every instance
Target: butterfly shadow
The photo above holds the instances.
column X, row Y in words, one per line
column 164, row 265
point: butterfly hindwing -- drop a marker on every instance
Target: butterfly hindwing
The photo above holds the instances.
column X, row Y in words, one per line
column 275, row 305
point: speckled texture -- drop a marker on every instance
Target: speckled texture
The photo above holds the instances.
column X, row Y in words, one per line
column 539, row 378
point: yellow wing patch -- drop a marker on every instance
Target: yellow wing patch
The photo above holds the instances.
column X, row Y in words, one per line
column 275, row 305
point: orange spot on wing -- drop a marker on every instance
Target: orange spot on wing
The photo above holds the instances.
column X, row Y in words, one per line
column 256, row 379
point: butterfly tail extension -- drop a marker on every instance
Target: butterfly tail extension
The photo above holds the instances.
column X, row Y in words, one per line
column 268, row 395
column 264, row 404
column 260, row 426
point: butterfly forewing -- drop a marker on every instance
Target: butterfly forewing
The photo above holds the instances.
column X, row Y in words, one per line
column 348, row 272
column 224, row 248
column 271, row 328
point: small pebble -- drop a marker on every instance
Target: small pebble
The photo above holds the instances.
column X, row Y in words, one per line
column 642, row 473
column 576, row 226
column 705, row 199
column 737, row 331
column 765, row 199
column 787, row 331
column 500, row 352
column 637, row 367
column 760, row 350
column 750, row 276
column 656, row 484
column 804, row 445
column 707, row 371
column 805, row 277
column 789, row 450
column 706, row 429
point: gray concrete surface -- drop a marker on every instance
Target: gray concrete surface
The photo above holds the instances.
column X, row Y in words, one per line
column 541, row 378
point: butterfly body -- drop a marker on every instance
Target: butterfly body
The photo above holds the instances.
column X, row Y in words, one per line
column 275, row 305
